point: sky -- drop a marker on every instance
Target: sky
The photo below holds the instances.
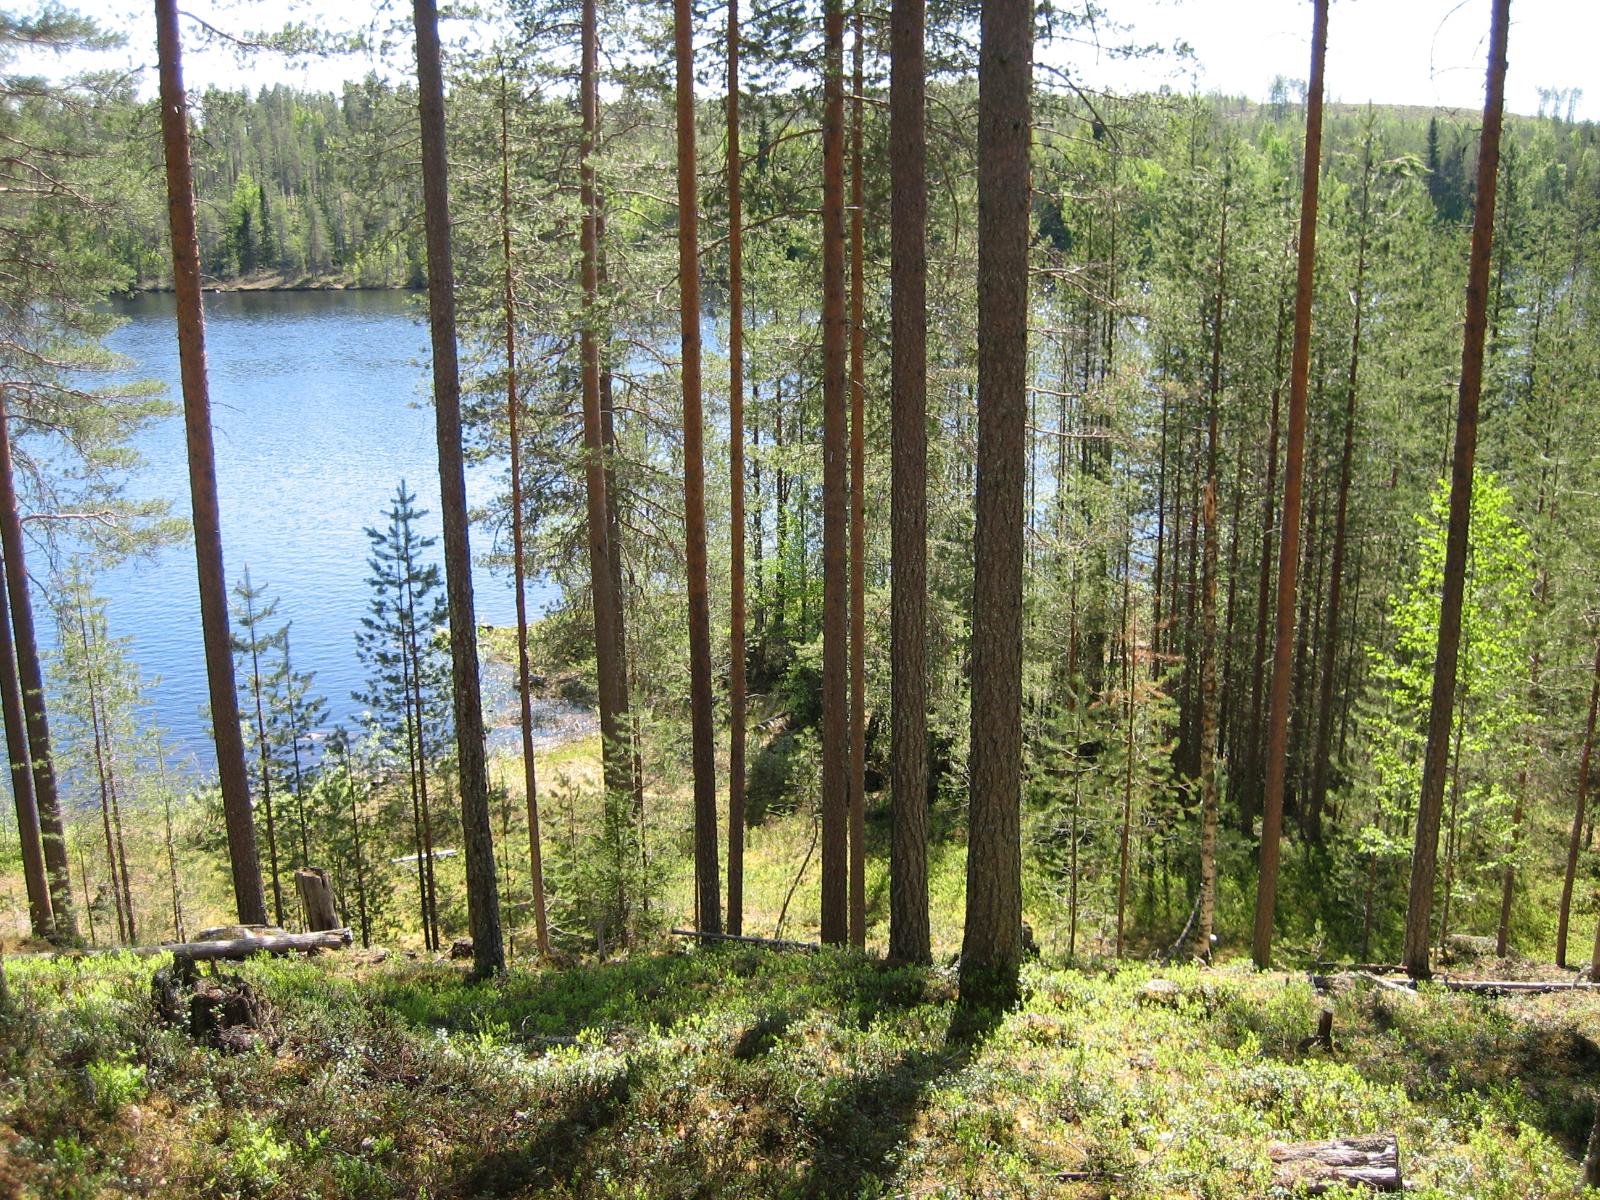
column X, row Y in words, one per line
column 1422, row 52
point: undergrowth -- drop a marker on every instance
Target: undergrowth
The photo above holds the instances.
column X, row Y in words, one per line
column 742, row 1072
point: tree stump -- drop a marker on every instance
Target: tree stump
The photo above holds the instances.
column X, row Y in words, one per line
column 316, row 899
column 1318, row 1167
column 221, row 1011
column 1323, row 1036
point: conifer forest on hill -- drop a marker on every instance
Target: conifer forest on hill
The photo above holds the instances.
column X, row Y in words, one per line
column 1056, row 647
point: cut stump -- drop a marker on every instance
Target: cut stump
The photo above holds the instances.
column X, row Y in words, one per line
column 316, row 899
column 1318, row 1167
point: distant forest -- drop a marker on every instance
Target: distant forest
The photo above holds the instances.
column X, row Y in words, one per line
column 323, row 187
column 306, row 186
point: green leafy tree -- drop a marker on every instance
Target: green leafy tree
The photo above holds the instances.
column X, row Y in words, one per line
column 1491, row 714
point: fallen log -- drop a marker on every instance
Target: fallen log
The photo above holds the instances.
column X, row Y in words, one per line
column 774, row 943
column 1478, row 987
column 1525, row 987
column 231, row 948
column 1318, row 1167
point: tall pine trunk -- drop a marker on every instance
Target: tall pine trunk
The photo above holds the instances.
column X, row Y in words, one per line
column 992, row 946
column 602, row 574
column 483, row 891
column 858, row 511
column 835, row 370
column 233, row 774
column 909, row 939
column 1293, row 472
column 1425, row 849
column 708, row 888
column 736, row 515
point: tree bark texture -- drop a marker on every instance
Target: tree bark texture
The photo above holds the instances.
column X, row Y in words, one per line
column 483, row 890
column 909, row 937
column 232, row 772
column 703, row 732
column 835, row 649
column 992, row 945
column 1277, row 752
column 736, row 513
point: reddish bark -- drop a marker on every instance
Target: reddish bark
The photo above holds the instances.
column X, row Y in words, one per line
column 1435, row 763
column 1293, row 472
column 232, row 772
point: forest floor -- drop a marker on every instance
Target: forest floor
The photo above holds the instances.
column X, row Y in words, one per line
column 741, row 1071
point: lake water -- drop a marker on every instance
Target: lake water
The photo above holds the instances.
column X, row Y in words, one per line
column 319, row 407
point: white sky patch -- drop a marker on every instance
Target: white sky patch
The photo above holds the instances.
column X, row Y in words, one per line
column 1418, row 52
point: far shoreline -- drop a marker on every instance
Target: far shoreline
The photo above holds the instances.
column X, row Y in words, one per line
column 275, row 283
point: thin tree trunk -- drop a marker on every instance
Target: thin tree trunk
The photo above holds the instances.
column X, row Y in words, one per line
column 1574, row 844
column 414, row 657
column 1425, row 850
column 1319, row 775
column 1294, row 466
column 122, row 844
column 1249, row 793
column 263, row 754
column 123, row 935
column 88, row 904
column 30, row 678
column 835, row 602
column 483, row 899
column 1508, row 873
column 1208, row 608
column 1128, row 684
column 1453, row 834
column 1228, row 706
column 530, row 776
column 172, row 854
column 909, row 939
column 413, row 725
column 631, row 749
column 736, row 514
column 234, row 776
column 858, row 510
column 1161, row 546
column 708, row 887
column 992, row 943
column 41, row 917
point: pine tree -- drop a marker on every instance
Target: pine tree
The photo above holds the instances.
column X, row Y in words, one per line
column 483, row 904
column 1425, row 850
column 1277, row 750
column 248, row 896
column 399, row 644
column 708, row 889
column 991, row 950
column 908, row 868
